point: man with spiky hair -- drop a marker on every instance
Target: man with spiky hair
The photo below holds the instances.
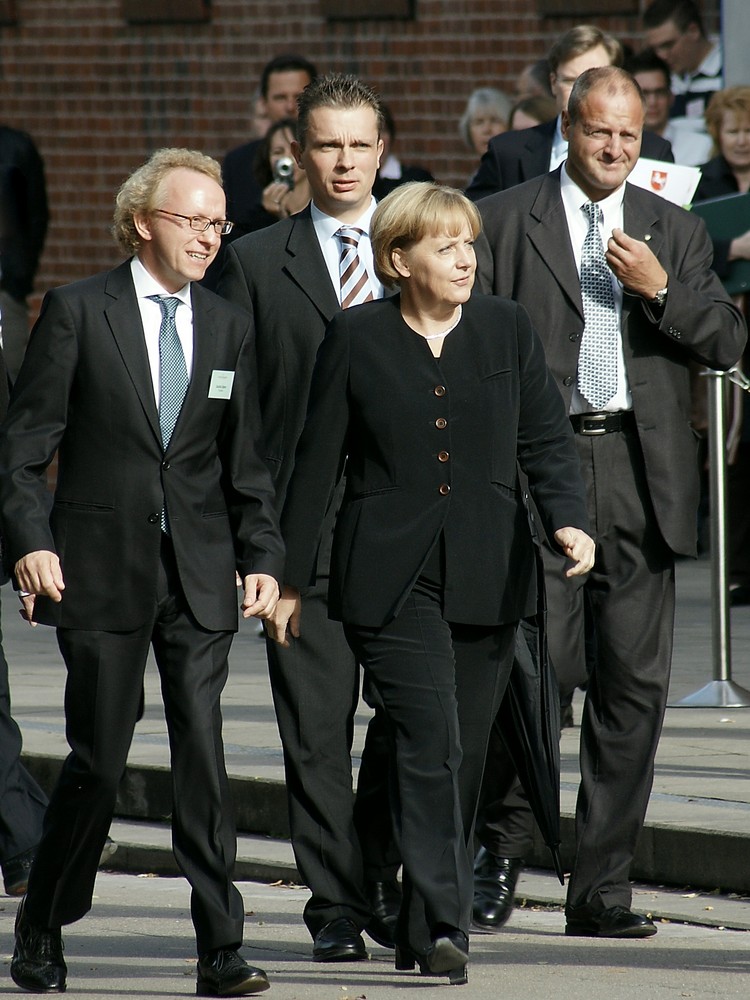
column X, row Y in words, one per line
column 290, row 277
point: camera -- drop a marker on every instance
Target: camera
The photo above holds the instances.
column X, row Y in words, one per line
column 283, row 171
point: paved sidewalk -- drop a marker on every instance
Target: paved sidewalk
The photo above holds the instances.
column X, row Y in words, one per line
column 698, row 824
column 138, row 942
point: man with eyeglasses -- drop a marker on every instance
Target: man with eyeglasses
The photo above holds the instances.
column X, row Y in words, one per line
column 652, row 75
column 674, row 30
column 517, row 156
column 144, row 382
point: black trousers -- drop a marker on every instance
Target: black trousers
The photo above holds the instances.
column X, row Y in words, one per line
column 102, row 702
column 22, row 801
column 316, row 684
column 441, row 685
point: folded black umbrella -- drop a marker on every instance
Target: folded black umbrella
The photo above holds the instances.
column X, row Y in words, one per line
column 530, row 723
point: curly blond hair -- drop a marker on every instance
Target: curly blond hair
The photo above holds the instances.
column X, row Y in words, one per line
column 140, row 193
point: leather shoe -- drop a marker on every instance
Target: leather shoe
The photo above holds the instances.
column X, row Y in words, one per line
column 223, row 973
column 339, row 941
column 16, row 872
column 385, row 903
column 37, row 964
column 449, row 953
column 495, row 881
column 614, row 922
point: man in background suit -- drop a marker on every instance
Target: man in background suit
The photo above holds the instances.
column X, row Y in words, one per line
column 23, row 226
column 288, row 276
column 145, row 383
column 282, row 81
column 517, row 156
column 22, row 801
column 665, row 307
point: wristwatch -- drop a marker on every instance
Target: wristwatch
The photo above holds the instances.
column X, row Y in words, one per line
column 660, row 298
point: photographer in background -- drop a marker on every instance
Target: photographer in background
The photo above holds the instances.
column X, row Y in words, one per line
column 285, row 187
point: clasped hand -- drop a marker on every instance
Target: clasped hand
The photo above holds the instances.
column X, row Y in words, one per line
column 635, row 265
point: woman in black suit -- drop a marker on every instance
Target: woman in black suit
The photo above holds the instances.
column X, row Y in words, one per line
column 432, row 397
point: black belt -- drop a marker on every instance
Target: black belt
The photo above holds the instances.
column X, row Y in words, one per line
column 593, row 424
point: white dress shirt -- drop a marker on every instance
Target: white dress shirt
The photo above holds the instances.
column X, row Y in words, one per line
column 151, row 316
column 326, row 228
column 559, row 146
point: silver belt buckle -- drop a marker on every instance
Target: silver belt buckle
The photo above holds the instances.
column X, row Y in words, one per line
column 598, row 418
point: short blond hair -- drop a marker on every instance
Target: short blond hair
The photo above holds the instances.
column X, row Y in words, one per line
column 411, row 212
column 141, row 192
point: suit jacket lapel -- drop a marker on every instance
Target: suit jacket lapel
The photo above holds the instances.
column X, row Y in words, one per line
column 306, row 266
column 639, row 222
column 124, row 319
column 536, row 154
column 551, row 238
column 204, row 343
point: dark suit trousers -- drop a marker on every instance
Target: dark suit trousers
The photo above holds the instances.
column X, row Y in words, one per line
column 441, row 685
column 631, row 595
column 102, row 701
column 315, row 685
column 22, row 802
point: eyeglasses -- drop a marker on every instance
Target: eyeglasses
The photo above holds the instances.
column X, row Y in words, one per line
column 222, row 227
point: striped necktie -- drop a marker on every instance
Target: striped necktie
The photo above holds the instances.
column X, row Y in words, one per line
column 597, row 359
column 173, row 376
column 355, row 285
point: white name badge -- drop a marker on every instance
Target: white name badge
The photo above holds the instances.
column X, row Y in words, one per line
column 221, row 385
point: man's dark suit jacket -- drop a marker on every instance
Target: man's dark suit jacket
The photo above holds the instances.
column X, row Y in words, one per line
column 279, row 275
column 532, row 262
column 518, row 156
column 243, row 190
column 431, row 446
column 23, row 211
column 85, row 387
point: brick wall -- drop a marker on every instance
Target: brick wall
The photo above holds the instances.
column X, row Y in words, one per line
column 98, row 94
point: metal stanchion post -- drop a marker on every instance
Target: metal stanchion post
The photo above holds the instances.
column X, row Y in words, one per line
column 721, row 692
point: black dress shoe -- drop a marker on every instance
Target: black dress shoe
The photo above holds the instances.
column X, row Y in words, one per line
column 16, row 872
column 614, row 922
column 339, row 941
column 495, row 881
column 739, row 594
column 223, row 973
column 448, row 954
column 37, row 964
column 385, row 903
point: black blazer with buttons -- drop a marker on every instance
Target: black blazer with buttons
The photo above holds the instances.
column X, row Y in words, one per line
column 527, row 256
column 431, row 445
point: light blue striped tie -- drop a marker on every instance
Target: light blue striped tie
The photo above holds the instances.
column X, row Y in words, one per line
column 173, row 376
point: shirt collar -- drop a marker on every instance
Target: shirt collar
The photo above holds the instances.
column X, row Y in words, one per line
column 327, row 226
column 574, row 197
column 711, row 65
column 145, row 284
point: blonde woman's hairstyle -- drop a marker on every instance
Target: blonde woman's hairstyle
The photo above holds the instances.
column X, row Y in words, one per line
column 734, row 99
column 142, row 192
column 411, row 212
